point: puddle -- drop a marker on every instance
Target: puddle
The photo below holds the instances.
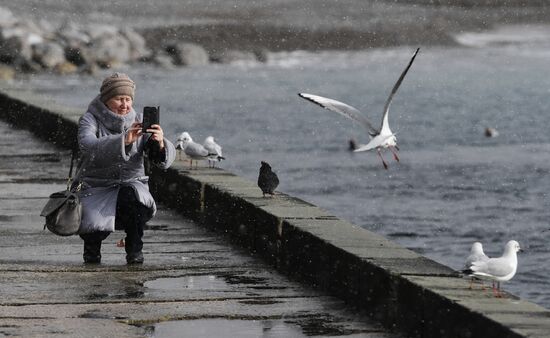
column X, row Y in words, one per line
column 224, row 283
column 226, row 328
column 208, row 282
column 245, row 280
column 125, row 294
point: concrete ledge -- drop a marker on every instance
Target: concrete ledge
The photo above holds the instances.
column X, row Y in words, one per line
column 396, row 286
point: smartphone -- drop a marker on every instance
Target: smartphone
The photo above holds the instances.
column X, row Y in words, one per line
column 150, row 117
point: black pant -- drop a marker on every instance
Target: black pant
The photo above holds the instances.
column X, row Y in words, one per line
column 131, row 216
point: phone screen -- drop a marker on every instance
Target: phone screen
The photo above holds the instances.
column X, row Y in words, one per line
column 150, row 117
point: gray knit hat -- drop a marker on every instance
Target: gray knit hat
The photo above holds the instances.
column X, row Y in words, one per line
column 117, row 84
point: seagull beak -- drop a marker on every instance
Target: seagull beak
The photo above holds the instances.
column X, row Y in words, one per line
column 397, row 147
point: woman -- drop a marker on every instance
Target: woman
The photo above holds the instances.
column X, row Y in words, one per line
column 113, row 187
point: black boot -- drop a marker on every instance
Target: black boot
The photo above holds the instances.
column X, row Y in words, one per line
column 134, row 258
column 133, row 244
column 92, row 246
column 92, row 252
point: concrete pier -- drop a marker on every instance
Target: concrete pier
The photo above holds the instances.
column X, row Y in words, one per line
column 193, row 282
column 395, row 286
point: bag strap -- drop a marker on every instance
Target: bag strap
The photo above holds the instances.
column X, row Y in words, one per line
column 70, row 178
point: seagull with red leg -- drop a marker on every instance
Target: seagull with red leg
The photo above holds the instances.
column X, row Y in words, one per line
column 380, row 138
column 499, row 269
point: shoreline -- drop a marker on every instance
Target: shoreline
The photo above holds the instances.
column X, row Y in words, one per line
column 83, row 38
column 435, row 25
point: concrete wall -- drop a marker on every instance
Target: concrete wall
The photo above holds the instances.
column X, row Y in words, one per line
column 392, row 284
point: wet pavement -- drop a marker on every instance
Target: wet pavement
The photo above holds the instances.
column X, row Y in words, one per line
column 194, row 283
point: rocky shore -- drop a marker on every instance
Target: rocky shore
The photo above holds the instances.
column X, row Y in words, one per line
column 38, row 36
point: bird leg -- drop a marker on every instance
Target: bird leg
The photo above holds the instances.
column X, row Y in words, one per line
column 500, row 295
column 472, row 284
column 383, row 162
column 394, row 152
column 496, row 291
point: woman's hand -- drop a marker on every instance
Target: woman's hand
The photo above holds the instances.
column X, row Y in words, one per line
column 133, row 133
column 157, row 134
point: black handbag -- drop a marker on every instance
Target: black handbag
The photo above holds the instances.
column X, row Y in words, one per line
column 63, row 211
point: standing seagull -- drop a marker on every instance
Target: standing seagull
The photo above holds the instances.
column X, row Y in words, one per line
column 499, row 269
column 214, row 150
column 476, row 254
column 179, row 143
column 267, row 180
column 380, row 138
column 194, row 151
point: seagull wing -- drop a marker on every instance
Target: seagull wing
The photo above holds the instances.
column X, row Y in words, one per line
column 342, row 109
column 497, row 267
column 218, row 149
column 384, row 128
column 475, row 257
column 196, row 150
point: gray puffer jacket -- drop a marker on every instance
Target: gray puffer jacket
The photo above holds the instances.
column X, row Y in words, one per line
column 106, row 164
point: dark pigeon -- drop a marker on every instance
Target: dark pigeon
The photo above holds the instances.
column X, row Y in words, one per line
column 267, row 180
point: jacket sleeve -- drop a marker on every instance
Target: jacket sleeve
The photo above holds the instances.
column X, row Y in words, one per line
column 161, row 159
column 101, row 150
column 169, row 155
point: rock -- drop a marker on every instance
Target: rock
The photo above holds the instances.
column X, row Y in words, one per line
column 14, row 47
column 108, row 51
column 6, row 73
column 77, row 55
column 262, row 55
column 188, row 54
column 232, row 56
column 164, row 60
column 6, row 18
column 26, row 65
column 138, row 47
column 72, row 35
column 46, row 29
column 89, row 68
column 48, row 54
column 101, row 31
column 65, row 68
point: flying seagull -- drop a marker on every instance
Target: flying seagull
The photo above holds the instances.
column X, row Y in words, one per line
column 500, row 269
column 214, row 150
column 380, row 138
